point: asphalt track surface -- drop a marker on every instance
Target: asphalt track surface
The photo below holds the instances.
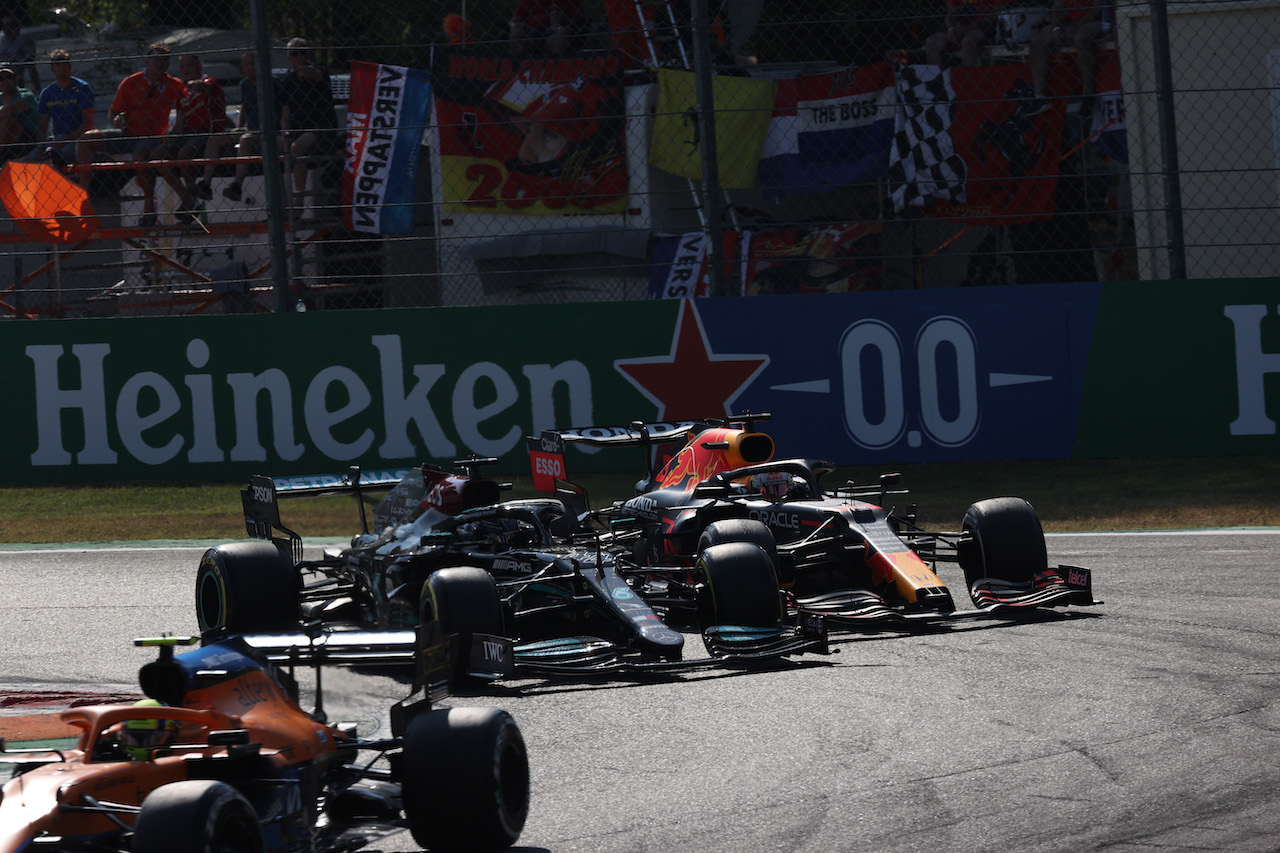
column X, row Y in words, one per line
column 1151, row 723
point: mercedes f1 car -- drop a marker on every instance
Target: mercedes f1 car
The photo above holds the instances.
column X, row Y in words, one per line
column 514, row 583
column 221, row 757
column 837, row 553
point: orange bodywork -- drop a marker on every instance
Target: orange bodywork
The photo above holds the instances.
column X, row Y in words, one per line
column 907, row 572
column 33, row 803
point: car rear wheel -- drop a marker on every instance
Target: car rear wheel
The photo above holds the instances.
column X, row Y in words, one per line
column 1002, row 539
column 464, row 600
column 247, row 588
column 740, row 586
column 197, row 817
column 465, row 779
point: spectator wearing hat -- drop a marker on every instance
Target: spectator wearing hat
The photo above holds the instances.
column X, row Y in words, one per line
column 18, row 50
column 18, row 120
column 65, row 109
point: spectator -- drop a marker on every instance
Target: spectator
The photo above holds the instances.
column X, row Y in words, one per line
column 18, row 50
column 971, row 25
column 550, row 26
column 247, row 122
column 307, row 114
column 139, row 117
column 18, row 120
column 458, row 29
column 742, row 17
column 65, row 110
column 1078, row 23
column 201, row 119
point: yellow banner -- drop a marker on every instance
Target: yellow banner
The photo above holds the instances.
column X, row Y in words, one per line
column 743, row 107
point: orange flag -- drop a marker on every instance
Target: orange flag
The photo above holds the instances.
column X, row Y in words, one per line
column 45, row 204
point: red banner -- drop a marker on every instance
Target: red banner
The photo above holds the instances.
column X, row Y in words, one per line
column 1010, row 144
column 535, row 136
column 837, row 258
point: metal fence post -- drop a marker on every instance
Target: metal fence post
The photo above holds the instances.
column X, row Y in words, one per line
column 711, row 193
column 1168, row 140
column 271, row 175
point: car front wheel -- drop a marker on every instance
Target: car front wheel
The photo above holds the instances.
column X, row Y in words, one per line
column 197, row 816
column 1002, row 539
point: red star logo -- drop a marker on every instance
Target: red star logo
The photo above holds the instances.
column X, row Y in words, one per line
column 691, row 381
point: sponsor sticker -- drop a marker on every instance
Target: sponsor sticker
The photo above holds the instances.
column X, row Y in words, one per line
column 1076, row 576
column 547, row 468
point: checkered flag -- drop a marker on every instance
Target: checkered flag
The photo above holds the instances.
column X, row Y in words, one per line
column 923, row 163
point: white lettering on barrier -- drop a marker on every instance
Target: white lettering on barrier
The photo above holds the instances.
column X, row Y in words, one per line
column 467, row 416
column 872, row 342
column 132, row 423
column 52, row 399
column 399, row 408
column 321, row 420
column 154, row 421
column 1252, row 367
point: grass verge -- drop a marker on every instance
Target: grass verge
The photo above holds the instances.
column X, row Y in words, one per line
column 1070, row 495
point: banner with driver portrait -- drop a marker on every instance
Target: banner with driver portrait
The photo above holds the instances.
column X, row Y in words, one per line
column 530, row 136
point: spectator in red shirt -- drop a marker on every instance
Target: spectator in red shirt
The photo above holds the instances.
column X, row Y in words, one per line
column 139, row 118
column 199, row 124
column 971, row 25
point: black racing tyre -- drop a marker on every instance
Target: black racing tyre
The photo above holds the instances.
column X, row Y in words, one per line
column 465, row 779
column 740, row 530
column 1002, row 539
column 197, row 816
column 464, row 600
column 740, row 586
column 247, row 588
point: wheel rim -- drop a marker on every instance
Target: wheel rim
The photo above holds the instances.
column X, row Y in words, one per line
column 237, row 835
column 210, row 599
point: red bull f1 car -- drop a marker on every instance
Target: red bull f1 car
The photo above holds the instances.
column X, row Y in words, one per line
column 839, row 553
column 221, row 757
column 516, row 584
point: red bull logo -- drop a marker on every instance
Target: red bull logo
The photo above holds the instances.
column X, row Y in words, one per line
column 712, row 451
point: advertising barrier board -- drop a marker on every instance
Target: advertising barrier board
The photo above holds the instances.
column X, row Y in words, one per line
column 864, row 378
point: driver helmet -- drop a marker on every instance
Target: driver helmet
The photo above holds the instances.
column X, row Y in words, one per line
column 776, row 485
column 496, row 532
column 141, row 736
